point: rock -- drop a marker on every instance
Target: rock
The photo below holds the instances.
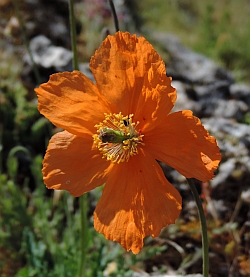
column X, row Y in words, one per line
column 225, row 171
column 219, row 206
column 240, row 92
column 218, row 90
column 183, row 102
column 189, row 66
column 48, row 59
column 228, row 127
column 245, row 195
column 233, row 138
column 209, row 101
column 47, row 55
column 235, row 109
column 234, row 171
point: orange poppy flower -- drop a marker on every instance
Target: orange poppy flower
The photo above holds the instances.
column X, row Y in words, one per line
column 115, row 130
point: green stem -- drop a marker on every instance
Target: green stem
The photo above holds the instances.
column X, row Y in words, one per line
column 83, row 198
column 203, row 228
column 73, row 34
column 112, row 6
column 84, row 235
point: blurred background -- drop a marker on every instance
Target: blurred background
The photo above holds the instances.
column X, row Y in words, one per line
column 206, row 47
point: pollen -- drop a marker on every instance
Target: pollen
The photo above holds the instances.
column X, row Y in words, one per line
column 117, row 137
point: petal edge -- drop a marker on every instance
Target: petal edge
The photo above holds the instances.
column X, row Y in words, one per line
column 71, row 164
column 183, row 143
column 71, row 101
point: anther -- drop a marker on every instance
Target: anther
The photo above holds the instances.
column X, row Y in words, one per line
column 117, row 137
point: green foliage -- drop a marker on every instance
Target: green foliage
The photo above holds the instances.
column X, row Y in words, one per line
column 19, row 118
column 222, row 40
column 247, row 118
column 42, row 234
column 218, row 29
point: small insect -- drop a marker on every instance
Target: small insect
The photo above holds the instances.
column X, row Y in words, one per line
column 126, row 122
column 108, row 135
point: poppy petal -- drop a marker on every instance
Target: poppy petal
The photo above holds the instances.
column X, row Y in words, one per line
column 184, row 144
column 137, row 201
column 71, row 164
column 132, row 77
column 71, row 101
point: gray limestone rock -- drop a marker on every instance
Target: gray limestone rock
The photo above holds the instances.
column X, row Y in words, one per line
column 228, row 108
column 240, row 92
column 233, row 138
column 189, row 66
column 47, row 55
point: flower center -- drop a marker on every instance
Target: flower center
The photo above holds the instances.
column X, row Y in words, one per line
column 117, row 137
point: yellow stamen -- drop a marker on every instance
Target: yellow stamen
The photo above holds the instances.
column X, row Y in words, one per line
column 117, row 137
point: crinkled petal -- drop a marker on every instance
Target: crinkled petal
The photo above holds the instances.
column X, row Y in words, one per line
column 184, row 144
column 137, row 201
column 72, row 164
column 132, row 77
column 71, row 101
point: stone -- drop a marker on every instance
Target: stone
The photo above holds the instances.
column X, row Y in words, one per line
column 240, row 92
column 183, row 102
column 47, row 55
column 225, row 171
column 217, row 90
column 231, row 108
column 233, row 138
column 189, row 66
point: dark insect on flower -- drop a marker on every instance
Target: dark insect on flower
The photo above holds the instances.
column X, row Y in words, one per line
column 108, row 135
column 126, row 122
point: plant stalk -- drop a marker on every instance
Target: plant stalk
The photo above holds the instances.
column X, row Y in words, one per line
column 73, row 34
column 116, row 22
column 84, row 235
column 83, row 198
column 205, row 247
